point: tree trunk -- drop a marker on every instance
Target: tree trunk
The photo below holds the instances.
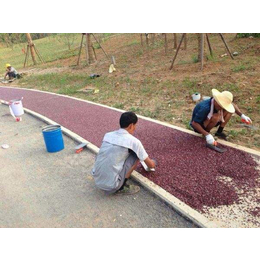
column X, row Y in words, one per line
column 147, row 39
column 175, row 40
column 153, row 37
column 201, row 49
column 87, row 54
column 185, row 41
column 91, row 58
column 31, row 45
column 166, row 43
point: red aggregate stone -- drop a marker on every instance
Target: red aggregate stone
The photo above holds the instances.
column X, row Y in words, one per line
column 256, row 212
column 186, row 168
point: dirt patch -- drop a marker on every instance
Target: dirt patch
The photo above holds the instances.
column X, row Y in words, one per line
column 144, row 84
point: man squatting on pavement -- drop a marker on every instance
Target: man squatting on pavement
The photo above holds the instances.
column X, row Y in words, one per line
column 214, row 112
column 119, row 156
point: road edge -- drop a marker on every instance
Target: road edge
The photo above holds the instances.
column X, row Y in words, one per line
column 179, row 206
column 229, row 144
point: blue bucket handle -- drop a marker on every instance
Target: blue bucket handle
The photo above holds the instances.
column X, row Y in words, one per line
column 51, row 128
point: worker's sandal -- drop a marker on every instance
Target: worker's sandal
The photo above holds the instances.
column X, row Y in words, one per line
column 221, row 135
column 128, row 190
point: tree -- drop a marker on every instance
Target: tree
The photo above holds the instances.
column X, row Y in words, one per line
column 175, row 40
column 89, row 49
column 67, row 38
column 201, row 49
column 31, row 46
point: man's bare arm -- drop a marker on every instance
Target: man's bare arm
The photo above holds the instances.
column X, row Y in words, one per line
column 237, row 110
column 199, row 128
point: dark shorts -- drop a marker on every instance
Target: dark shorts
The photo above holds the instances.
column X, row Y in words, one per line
column 202, row 125
column 11, row 75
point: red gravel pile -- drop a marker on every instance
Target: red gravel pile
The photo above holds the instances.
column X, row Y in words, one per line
column 186, row 168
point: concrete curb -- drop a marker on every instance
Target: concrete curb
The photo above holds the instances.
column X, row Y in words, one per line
column 182, row 208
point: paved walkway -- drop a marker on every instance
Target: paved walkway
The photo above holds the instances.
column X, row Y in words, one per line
column 186, row 168
column 39, row 189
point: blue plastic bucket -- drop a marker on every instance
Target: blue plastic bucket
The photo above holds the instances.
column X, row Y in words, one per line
column 53, row 138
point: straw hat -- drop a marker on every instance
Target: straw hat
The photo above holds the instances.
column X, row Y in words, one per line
column 224, row 99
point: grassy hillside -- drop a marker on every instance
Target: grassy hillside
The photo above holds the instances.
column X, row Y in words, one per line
column 51, row 48
column 143, row 82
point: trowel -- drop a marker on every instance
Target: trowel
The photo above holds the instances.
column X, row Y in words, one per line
column 252, row 127
column 216, row 148
column 79, row 148
column 146, row 167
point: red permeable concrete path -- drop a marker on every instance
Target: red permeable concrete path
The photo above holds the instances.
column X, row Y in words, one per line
column 186, row 168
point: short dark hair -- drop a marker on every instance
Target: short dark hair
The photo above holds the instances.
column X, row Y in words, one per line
column 128, row 118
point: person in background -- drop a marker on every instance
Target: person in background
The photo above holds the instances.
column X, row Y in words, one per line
column 214, row 112
column 119, row 156
column 10, row 72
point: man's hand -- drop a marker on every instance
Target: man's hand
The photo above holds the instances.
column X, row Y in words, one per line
column 210, row 139
column 155, row 162
column 150, row 162
column 246, row 119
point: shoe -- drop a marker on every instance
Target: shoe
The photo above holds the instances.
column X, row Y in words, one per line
column 221, row 135
column 128, row 190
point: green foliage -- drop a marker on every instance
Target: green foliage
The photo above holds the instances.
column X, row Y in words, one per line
column 134, row 109
column 232, row 87
column 241, row 67
column 190, row 83
column 96, row 46
column 211, row 58
column 246, row 35
column 249, row 109
column 182, row 62
column 67, row 38
column 119, row 105
column 63, row 83
column 195, row 58
column 51, row 48
column 238, row 68
column 134, row 42
column 9, row 39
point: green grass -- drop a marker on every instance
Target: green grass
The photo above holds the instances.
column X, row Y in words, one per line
column 135, row 109
column 212, row 58
column 96, row 46
column 60, row 83
column 234, row 133
column 182, row 62
column 232, row 87
column 119, row 105
column 189, row 82
column 134, row 42
column 241, row 67
column 50, row 48
column 195, row 58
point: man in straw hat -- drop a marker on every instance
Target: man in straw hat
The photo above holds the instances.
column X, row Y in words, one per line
column 214, row 112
